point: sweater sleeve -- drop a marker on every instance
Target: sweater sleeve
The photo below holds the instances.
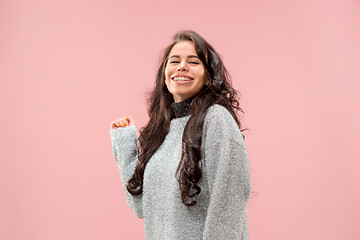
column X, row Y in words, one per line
column 124, row 148
column 226, row 167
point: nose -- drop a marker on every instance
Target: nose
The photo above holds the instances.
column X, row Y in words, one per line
column 182, row 66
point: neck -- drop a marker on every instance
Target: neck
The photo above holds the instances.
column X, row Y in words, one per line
column 181, row 109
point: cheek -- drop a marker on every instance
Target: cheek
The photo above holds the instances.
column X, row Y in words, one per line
column 201, row 74
column 168, row 71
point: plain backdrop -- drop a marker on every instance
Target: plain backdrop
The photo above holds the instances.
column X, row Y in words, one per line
column 69, row 68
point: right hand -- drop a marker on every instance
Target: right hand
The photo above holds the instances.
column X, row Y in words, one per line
column 122, row 122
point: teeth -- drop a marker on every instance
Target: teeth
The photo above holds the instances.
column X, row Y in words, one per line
column 182, row 79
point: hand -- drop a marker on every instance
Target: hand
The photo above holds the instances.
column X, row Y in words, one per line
column 122, row 122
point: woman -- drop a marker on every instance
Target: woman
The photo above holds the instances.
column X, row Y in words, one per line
column 189, row 178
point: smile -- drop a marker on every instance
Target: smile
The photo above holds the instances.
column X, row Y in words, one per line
column 181, row 79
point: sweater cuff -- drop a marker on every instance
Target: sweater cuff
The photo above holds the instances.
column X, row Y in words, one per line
column 124, row 137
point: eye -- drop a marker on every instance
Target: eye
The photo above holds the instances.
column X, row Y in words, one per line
column 189, row 62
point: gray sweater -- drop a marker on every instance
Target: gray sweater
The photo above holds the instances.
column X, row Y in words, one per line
column 221, row 208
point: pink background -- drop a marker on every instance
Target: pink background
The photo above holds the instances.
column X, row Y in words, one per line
column 69, row 68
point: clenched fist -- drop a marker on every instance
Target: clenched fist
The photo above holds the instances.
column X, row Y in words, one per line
column 122, row 122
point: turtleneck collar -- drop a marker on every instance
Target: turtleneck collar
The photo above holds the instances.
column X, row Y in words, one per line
column 182, row 109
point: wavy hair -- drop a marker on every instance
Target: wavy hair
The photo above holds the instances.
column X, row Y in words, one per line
column 219, row 91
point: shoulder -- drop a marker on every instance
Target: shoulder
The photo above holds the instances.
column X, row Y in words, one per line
column 218, row 112
column 218, row 119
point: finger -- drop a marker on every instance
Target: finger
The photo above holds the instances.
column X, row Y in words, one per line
column 123, row 123
column 114, row 125
column 130, row 120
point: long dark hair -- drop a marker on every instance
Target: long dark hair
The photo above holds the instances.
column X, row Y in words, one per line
column 219, row 91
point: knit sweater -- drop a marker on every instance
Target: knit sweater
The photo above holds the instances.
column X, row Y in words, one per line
column 221, row 208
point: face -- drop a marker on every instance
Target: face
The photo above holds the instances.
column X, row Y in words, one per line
column 185, row 74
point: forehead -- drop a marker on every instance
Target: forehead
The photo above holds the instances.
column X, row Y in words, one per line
column 183, row 48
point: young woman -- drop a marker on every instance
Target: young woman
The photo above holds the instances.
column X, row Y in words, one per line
column 189, row 178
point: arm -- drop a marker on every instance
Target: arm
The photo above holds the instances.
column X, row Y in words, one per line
column 124, row 148
column 227, row 170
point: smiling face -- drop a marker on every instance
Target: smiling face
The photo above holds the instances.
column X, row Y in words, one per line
column 185, row 74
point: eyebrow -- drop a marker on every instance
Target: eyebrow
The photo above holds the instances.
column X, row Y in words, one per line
column 189, row 56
